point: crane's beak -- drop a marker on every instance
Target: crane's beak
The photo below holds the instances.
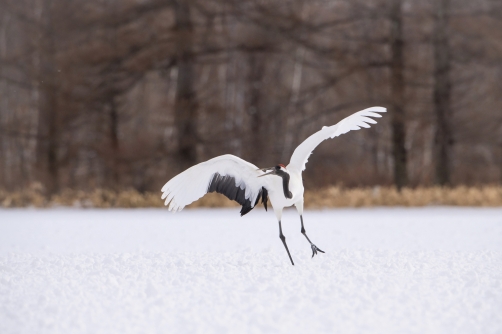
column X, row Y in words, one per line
column 266, row 169
column 269, row 173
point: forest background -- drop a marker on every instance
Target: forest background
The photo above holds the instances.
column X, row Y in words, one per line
column 123, row 95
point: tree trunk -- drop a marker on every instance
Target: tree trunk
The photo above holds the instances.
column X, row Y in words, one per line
column 114, row 143
column 500, row 162
column 291, row 116
column 258, row 136
column 4, row 23
column 397, row 90
column 47, row 143
column 185, row 100
column 443, row 140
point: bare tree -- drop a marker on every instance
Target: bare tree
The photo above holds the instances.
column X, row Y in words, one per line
column 48, row 119
column 122, row 94
column 397, row 95
column 442, row 94
column 186, row 100
column 256, row 108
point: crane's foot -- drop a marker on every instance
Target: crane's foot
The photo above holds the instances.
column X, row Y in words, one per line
column 315, row 250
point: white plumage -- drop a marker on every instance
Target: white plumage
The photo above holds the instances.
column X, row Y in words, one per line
column 353, row 122
column 192, row 184
column 242, row 181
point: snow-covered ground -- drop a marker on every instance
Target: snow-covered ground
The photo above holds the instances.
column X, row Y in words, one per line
column 432, row 270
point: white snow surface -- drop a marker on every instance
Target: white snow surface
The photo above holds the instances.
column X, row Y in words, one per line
column 429, row 270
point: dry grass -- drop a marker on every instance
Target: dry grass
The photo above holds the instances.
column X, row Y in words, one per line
column 488, row 196
column 389, row 196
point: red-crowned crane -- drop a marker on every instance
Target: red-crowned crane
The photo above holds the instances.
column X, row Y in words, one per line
column 244, row 183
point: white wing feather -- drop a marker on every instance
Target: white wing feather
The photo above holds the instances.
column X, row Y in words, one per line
column 192, row 184
column 354, row 122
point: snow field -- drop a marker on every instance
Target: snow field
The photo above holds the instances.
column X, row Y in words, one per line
column 433, row 270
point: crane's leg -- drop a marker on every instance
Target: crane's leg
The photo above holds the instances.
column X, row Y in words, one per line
column 299, row 207
column 283, row 238
column 278, row 214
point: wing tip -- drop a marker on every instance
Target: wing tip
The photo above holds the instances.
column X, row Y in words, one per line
column 377, row 109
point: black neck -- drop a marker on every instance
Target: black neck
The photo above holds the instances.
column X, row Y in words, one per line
column 285, row 183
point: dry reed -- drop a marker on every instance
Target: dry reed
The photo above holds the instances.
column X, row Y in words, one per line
column 490, row 196
column 487, row 196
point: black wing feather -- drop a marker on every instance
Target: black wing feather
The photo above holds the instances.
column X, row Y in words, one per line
column 226, row 185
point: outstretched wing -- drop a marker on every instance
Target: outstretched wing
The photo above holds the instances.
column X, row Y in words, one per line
column 354, row 122
column 229, row 175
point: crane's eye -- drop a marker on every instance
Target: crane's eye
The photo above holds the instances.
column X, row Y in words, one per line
column 277, row 167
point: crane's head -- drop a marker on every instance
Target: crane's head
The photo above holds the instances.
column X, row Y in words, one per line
column 277, row 170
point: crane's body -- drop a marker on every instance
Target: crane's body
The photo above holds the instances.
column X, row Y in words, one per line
column 276, row 193
column 247, row 184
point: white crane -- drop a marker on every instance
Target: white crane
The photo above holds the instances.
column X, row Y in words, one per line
column 244, row 183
